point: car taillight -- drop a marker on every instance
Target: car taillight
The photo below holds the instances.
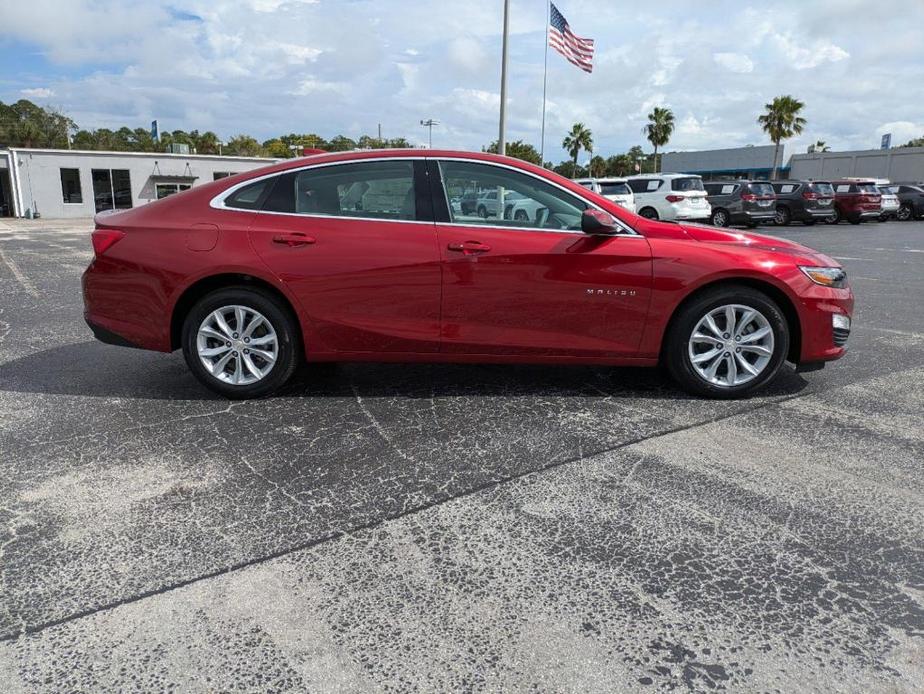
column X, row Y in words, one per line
column 809, row 195
column 748, row 197
column 103, row 239
column 675, row 198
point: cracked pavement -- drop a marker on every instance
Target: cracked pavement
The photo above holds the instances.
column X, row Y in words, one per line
column 454, row 527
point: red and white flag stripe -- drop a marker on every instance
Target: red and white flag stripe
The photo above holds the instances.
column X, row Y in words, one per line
column 576, row 50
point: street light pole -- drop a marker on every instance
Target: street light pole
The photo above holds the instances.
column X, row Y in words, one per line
column 429, row 123
column 501, row 141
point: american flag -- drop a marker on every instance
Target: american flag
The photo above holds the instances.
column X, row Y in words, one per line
column 576, row 50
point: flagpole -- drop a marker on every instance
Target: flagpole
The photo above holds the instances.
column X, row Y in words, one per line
column 501, row 140
column 545, row 79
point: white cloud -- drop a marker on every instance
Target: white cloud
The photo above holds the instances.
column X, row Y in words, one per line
column 37, row 93
column 736, row 62
column 804, row 56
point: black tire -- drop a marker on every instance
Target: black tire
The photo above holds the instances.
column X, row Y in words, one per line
column 720, row 218
column 288, row 336
column 521, row 216
column 676, row 354
column 783, row 216
column 854, row 219
column 835, row 218
column 482, row 211
column 649, row 213
column 905, row 213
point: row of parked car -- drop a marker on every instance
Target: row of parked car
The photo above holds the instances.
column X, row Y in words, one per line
column 685, row 197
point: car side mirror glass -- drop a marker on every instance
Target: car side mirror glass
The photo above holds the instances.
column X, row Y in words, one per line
column 595, row 221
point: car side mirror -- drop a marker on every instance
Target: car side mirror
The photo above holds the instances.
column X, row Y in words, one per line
column 595, row 221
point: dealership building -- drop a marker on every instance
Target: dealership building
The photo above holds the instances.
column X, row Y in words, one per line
column 900, row 164
column 61, row 183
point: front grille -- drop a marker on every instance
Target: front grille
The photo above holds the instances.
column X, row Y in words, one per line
column 840, row 336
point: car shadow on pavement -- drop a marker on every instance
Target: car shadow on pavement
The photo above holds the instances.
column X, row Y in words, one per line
column 91, row 369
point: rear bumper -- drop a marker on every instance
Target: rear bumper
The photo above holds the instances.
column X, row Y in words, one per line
column 109, row 337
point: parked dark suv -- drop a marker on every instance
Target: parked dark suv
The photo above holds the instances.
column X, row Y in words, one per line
column 856, row 200
column 803, row 201
column 746, row 203
column 910, row 199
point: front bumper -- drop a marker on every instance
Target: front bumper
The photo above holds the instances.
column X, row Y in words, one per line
column 822, row 339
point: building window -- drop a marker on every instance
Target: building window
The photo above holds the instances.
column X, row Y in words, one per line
column 70, row 186
column 112, row 189
column 166, row 189
column 218, row 175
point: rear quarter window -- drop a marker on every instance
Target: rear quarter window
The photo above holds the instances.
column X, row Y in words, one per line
column 250, row 196
column 614, row 189
column 644, row 185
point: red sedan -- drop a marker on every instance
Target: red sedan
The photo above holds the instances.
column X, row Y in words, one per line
column 381, row 256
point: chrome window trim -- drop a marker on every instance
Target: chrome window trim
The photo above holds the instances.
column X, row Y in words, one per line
column 218, row 202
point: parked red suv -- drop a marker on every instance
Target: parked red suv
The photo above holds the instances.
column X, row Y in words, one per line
column 856, row 200
column 370, row 256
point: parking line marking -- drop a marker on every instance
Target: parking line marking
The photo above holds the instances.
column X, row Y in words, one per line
column 19, row 275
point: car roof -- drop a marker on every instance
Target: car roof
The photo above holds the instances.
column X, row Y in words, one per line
column 612, row 179
column 663, row 175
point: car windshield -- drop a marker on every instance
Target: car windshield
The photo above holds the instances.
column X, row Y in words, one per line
column 761, row 188
column 613, row 188
column 823, row 189
column 691, row 183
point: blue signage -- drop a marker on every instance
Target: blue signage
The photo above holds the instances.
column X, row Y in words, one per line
column 886, row 141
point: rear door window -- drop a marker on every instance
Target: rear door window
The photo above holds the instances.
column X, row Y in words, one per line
column 687, row 184
column 842, row 188
column 644, row 185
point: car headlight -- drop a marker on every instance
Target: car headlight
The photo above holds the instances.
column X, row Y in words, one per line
column 826, row 276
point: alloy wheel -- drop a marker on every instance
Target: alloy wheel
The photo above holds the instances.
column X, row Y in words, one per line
column 731, row 345
column 237, row 345
column 719, row 218
column 904, row 213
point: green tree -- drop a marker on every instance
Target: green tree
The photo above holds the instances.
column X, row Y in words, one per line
column 659, row 129
column 518, row 150
column 597, row 166
column 278, row 149
column 781, row 120
column 579, row 138
column 341, row 143
column 244, row 146
column 569, row 169
column 916, row 142
column 821, row 146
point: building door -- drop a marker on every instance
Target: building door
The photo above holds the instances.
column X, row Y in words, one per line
column 112, row 189
column 6, row 194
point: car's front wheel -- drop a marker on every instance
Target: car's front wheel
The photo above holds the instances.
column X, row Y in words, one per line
column 727, row 342
column 719, row 218
column 905, row 212
column 241, row 342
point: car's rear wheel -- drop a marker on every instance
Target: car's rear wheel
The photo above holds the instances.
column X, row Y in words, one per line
column 727, row 342
column 241, row 342
column 521, row 216
column 648, row 213
column 482, row 211
column 904, row 213
column 835, row 218
column 719, row 218
column 783, row 217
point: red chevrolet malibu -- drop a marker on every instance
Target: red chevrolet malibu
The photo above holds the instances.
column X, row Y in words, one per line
column 372, row 256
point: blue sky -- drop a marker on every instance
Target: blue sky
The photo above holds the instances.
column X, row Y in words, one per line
column 266, row 67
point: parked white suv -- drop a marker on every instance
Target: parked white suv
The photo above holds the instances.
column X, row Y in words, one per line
column 615, row 189
column 670, row 196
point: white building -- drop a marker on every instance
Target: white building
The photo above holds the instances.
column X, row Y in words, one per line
column 60, row 183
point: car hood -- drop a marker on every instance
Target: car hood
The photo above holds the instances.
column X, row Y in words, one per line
column 757, row 242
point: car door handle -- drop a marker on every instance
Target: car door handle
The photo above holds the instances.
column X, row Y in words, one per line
column 294, row 239
column 469, row 247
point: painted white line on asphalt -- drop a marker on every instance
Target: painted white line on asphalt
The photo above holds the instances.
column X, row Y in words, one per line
column 847, row 257
column 18, row 274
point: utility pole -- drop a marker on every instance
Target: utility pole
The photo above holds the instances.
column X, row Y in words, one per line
column 429, row 123
column 501, row 139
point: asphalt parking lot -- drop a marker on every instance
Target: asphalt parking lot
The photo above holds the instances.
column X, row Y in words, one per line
column 441, row 527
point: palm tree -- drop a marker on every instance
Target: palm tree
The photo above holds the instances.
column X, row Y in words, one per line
column 780, row 121
column 820, row 146
column 579, row 138
column 659, row 129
